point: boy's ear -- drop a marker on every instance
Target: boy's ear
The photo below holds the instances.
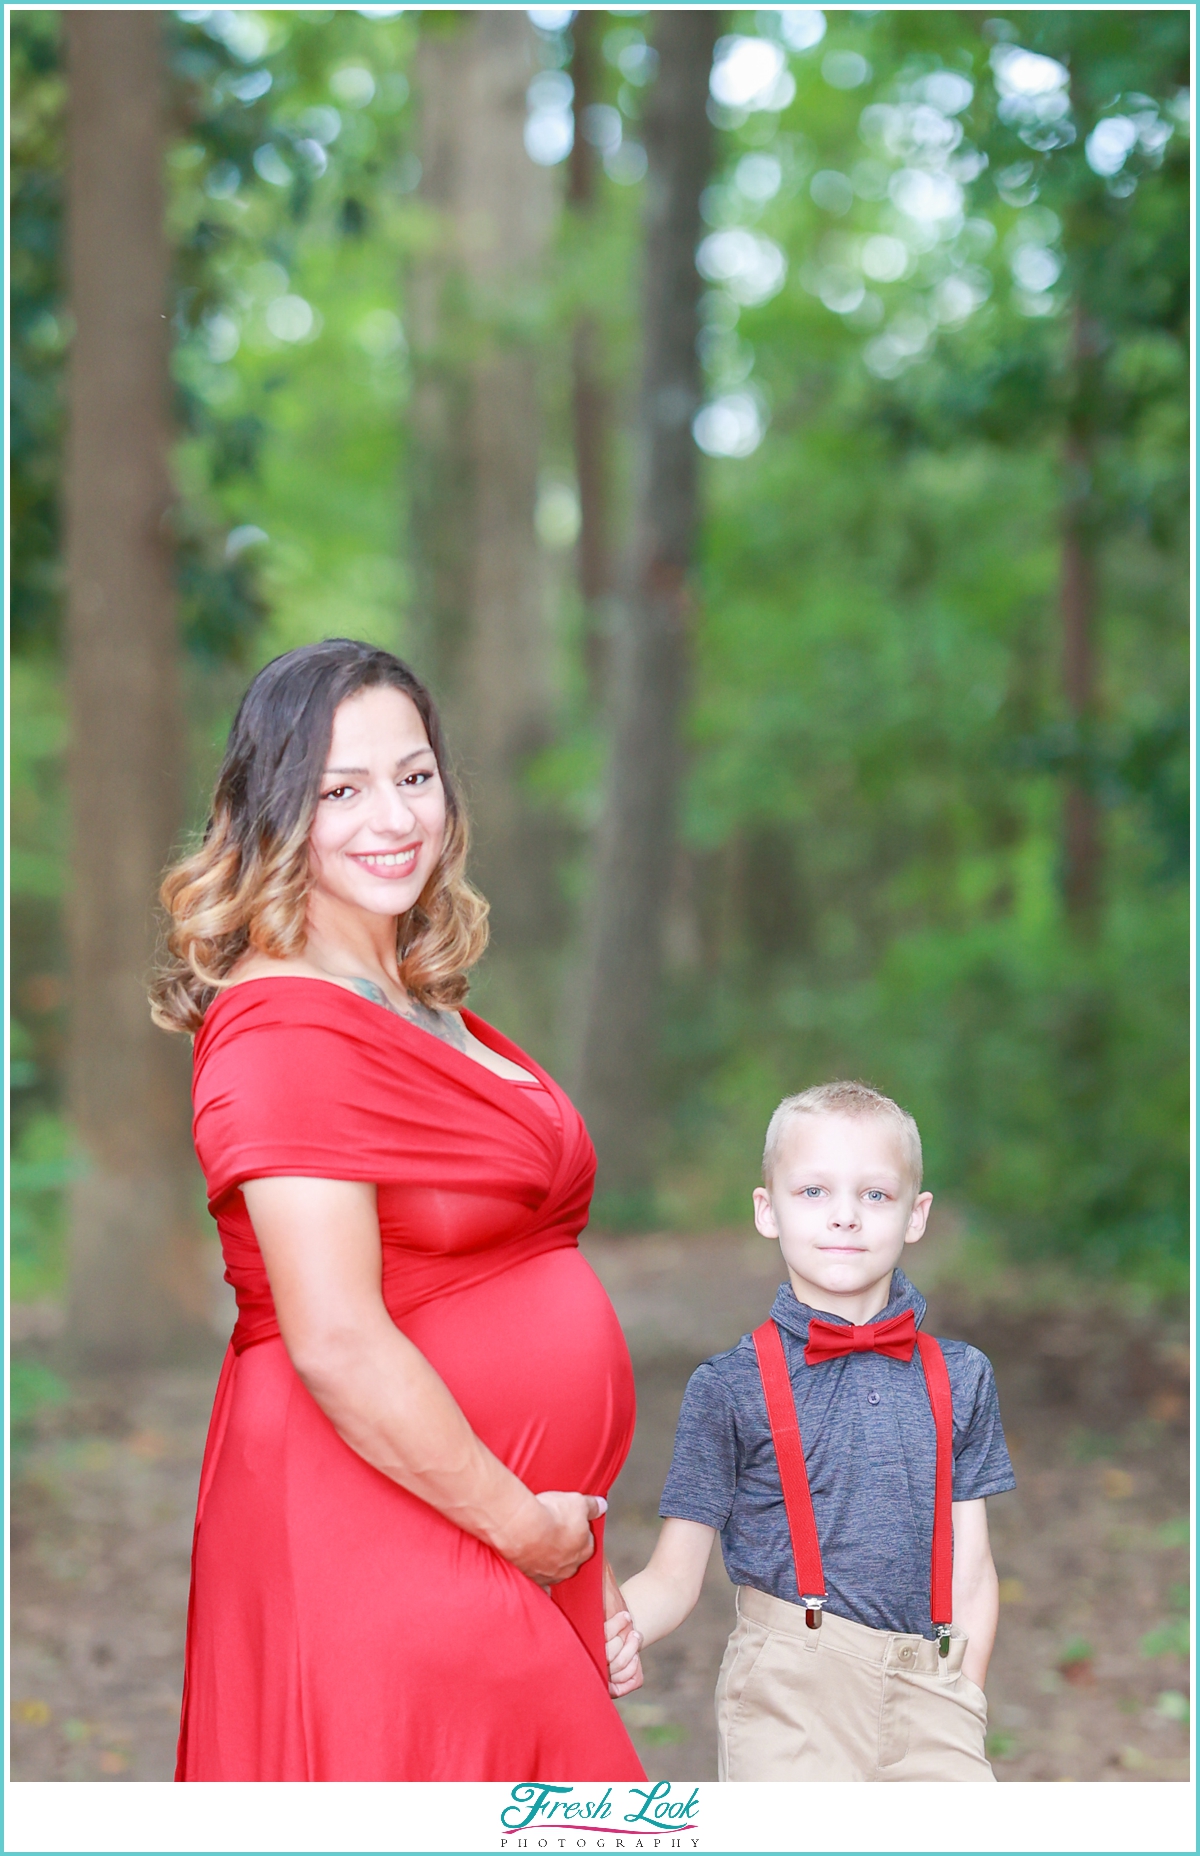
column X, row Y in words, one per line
column 919, row 1218
column 764, row 1213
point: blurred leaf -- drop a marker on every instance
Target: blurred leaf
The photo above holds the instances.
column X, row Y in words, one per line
column 1173, row 1638
column 32, row 1388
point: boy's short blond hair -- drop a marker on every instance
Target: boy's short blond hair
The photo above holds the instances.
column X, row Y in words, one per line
column 842, row 1099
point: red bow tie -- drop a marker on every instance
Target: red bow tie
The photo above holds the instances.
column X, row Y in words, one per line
column 896, row 1338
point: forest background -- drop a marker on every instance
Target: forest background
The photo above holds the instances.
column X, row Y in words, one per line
column 910, row 726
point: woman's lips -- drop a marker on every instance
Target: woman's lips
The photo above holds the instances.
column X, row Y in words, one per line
column 389, row 865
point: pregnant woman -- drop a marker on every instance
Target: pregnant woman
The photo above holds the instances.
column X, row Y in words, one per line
column 398, row 1567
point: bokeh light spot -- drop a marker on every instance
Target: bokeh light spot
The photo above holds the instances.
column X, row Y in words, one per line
column 729, row 427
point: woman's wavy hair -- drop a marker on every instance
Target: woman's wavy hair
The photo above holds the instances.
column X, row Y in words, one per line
column 247, row 884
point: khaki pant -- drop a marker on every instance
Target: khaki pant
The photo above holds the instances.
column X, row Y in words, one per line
column 843, row 1702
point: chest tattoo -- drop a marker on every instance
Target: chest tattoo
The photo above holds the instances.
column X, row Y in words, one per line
column 445, row 1025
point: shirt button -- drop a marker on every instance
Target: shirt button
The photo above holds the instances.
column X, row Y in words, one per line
column 872, row 1398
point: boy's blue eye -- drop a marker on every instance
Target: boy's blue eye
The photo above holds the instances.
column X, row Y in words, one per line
column 875, row 1194
column 812, row 1192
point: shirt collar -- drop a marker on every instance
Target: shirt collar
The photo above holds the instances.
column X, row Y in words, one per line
column 794, row 1315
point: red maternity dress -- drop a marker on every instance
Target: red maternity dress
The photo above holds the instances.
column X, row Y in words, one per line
column 340, row 1628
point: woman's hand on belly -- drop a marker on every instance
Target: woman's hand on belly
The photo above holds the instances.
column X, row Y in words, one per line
column 561, row 1549
column 320, row 1244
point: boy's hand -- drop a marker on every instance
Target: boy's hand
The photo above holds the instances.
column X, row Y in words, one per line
column 622, row 1641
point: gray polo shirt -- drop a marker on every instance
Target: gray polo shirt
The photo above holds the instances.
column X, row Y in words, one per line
column 869, row 1447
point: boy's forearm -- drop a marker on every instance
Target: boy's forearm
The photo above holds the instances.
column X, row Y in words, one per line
column 659, row 1598
column 976, row 1590
column 977, row 1612
column 657, row 1603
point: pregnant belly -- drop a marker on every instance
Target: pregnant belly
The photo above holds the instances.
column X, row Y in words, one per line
column 537, row 1361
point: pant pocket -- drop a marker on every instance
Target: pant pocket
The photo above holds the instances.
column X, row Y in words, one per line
column 745, row 1645
column 971, row 1696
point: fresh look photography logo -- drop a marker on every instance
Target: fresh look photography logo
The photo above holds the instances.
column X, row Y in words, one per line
column 656, row 1816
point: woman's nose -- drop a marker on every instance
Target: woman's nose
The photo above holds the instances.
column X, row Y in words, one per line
column 391, row 809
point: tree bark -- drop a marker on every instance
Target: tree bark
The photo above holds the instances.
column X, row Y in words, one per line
column 590, row 408
column 482, row 633
column 1082, row 844
column 136, row 1290
column 636, row 837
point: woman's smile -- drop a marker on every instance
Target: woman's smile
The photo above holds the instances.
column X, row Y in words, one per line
column 387, row 864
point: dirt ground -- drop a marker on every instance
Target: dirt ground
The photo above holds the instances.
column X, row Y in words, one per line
column 1091, row 1548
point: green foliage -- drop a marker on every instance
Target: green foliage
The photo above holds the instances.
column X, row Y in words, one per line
column 37, row 876
column 878, row 740
column 31, row 1389
column 38, row 325
column 42, row 1166
column 290, row 217
column 1174, row 1638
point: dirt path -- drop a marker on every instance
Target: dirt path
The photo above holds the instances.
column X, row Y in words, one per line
column 1091, row 1549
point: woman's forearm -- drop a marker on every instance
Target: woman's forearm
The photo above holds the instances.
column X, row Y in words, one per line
column 385, row 1400
column 321, row 1246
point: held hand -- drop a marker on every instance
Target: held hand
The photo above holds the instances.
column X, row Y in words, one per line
column 562, row 1537
column 622, row 1642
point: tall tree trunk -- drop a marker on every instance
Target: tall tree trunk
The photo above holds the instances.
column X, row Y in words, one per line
column 483, row 637
column 135, row 1285
column 1082, row 850
column 636, row 838
column 590, row 409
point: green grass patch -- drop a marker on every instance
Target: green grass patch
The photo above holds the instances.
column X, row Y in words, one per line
column 1174, row 1638
column 31, row 1388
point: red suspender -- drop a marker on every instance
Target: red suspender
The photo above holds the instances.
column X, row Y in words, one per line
column 785, row 1434
column 789, row 1451
column 937, row 1384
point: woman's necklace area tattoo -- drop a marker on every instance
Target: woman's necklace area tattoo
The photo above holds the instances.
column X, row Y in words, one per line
column 445, row 1025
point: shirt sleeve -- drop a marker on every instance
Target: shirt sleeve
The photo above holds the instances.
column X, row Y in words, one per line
column 982, row 1465
column 703, row 1474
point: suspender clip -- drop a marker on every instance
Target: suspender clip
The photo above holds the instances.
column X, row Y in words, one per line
column 812, row 1611
column 943, row 1632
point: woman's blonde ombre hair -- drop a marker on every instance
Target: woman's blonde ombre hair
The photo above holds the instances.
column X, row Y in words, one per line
column 246, row 887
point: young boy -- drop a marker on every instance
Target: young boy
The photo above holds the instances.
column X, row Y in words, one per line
column 857, row 1654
